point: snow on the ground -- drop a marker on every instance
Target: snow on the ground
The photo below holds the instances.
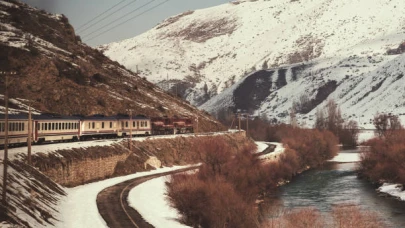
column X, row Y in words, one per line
column 275, row 154
column 346, row 157
column 79, row 208
column 149, row 199
column 261, row 146
column 365, row 135
column 393, row 190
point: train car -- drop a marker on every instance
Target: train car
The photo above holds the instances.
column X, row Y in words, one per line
column 17, row 129
column 140, row 125
column 182, row 125
column 51, row 127
column 162, row 126
column 99, row 126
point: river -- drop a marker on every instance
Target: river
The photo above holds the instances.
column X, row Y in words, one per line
column 336, row 183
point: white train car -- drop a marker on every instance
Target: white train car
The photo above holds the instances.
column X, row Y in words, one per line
column 49, row 128
column 140, row 125
column 17, row 129
column 99, row 126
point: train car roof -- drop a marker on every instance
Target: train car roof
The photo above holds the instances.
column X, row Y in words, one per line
column 98, row 117
column 14, row 116
column 54, row 117
column 134, row 117
column 24, row 116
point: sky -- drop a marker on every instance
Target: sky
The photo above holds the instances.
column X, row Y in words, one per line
column 80, row 12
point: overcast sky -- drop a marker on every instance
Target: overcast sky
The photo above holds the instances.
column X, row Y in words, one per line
column 81, row 11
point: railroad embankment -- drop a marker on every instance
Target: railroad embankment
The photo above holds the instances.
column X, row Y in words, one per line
column 76, row 166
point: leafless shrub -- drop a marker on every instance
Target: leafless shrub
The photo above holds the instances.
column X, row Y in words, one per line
column 351, row 216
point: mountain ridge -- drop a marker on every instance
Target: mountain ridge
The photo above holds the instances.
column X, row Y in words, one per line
column 322, row 35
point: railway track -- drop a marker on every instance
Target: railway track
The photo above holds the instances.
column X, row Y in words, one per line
column 113, row 205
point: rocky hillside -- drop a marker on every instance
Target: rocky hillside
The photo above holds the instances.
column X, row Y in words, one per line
column 58, row 73
column 310, row 50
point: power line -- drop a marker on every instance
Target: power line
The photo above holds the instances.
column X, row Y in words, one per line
column 87, row 35
column 126, row 21
column 100, row 14
column 102, row 19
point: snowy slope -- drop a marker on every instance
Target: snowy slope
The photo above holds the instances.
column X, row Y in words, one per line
column 212, row 49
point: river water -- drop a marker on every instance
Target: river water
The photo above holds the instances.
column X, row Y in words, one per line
column 337, row 183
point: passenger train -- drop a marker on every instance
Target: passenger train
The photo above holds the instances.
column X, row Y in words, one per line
column 56, row 128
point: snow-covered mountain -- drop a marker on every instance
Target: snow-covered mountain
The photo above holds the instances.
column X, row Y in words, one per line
column 311, row 50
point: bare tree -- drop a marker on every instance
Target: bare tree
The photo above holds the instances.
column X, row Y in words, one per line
column 386, row 124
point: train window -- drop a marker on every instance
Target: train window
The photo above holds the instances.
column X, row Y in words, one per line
column 49, row 126
column 110, row 124
column 133, row 123
column 93, row 125
column 53, row 126
column 126, row 124
column 137, row 123
column 60, row 126
column 146, row 123
column 102, row 124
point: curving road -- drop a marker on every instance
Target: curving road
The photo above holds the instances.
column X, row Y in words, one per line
column 113, row 205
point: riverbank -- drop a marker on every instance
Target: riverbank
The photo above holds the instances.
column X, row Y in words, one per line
column 150, row 198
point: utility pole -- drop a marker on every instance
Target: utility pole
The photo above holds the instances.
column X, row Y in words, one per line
column 130, row 129
column 239, row 121
column 197, row 125
column 6, row 128
column 29, row 135
column 247, row 123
